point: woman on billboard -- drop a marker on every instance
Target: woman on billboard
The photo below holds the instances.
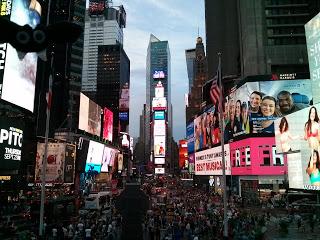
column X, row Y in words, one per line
column 285, row 135
column 313, row 168
column 270, row 112
column 245, row 121
column 311, row 130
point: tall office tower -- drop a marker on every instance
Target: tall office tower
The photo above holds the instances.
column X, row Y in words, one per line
column 191, row 63
column 263, row 37
column 200, row 77
column 158, row 68
column 67, row 73
column 139, row 149
column 103, row 26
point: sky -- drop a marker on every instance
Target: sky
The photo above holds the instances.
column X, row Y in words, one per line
column 176, row 21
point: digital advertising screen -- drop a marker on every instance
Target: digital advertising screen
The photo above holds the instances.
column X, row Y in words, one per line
column 159, row 128
column 159, row 115
column 89, row 116
column 69, row 164
column 18, row 76
column 96, row 7
column 109, row 155
column 120, row 162
column 124, row 98
column 11, row 142
column 159, row 103
column 206, row 130
column 191, row 163
column 190, row 137
column 159, row 146
column 159, row 91
column 253, row 107
column 159, row 171
column 94, row 157
column 312, row 37
column 209, row 162
column 124, row 116
column 159, row 160
column 158, row 74
column 107, row 124
column 55, row 162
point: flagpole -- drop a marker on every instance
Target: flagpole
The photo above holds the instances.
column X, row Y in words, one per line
column 44, row 160
column 221, row 120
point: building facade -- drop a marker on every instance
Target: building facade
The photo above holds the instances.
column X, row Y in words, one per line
column 191, row 63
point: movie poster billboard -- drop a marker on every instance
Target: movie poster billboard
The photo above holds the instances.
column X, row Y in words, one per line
column 94, row 157
column 313, row 37
column 109, row 155
column 206, row 130
column 159, row 128
column 209, row 162
column 69, row 164
column 18, row 76
column 159, row 146
column 253, row 107
column 107, row 124
column 55, row 162
column 89, row 116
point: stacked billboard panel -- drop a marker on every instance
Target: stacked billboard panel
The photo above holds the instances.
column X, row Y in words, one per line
column 107, row 124
column 18, row 76
column 89, row 116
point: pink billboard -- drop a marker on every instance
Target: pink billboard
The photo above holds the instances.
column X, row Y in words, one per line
column 107, row 124
column 256, row 156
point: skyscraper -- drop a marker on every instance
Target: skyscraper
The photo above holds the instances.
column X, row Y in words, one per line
column 158, row 69
column 190, row 60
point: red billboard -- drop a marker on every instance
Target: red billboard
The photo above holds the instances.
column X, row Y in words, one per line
column 183, row 154
column 107, row 124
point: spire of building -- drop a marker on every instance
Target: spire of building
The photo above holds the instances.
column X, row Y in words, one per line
column 153, row 38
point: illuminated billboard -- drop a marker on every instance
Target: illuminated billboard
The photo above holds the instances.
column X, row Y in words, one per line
column 253, row 107
column 159, row 128
column 96, row 7
column 94, row 157
column 18, row 76
column 11, row 142
column 159, row 103
column 124, row 98
column 209, row 162
column 158, row 74
column 107, row 124
column 55, row 162
column 312, row 37
column 159, row 91
column 124, row 116
column 89, row 116
column 183, row 154
column 159, row 171
column 159, row 146
column 108, row 157
column 190, row 137
column 69, row 164
column 159, row 115
column 159, row 160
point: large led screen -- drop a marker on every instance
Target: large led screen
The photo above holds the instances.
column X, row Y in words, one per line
column 109, row 155
column 18, row 77
column 159, row 115
column 209, row 162
column 190, row 137
column 107, row 124
column 124, row 98
column 159, row 146
column 159, row 91
column 96, row 7
column 94, row 157
column 253, row 107
column 159, row 128
column 298, row 135
column 159, row 160
column 89, row 116
column 55, row 162
column 206, row 130
column 158, row 74
column 159, row 103
column 312, row 29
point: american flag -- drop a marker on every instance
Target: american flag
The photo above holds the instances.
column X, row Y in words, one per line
column 215, row 91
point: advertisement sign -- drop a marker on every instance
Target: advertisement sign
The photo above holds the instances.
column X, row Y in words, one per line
column 253, row 107
column 89, row 116
column 158, row 74
column 55, row 162
column 124, row 98
column 206, row 130
column 190, row 137
column 69, row 161
column 191, row 163
column 256, row 156
column 159, row 171
column 107, row 124
column 94, row 157
column 120, row 162
column 183, row 154
column 159, row 115
column 209, row 162
column 159, row 146
column 96, row 7
column 18, row 76
column 159, row 160
column 159, row 91
column 312, row 37
column 123, row 116
column 11, row 142
column 108, row 157
column 159, row 128
column 159, row 103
